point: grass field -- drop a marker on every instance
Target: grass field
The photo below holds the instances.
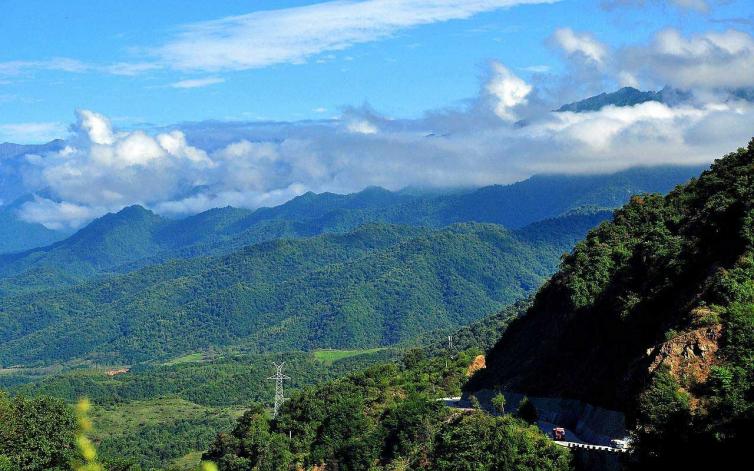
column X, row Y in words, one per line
column 329, row 356
column 189, row 462
column 190, row 358
column 164, row 432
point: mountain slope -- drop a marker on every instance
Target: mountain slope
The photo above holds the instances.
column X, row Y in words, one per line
column 653, row 314
column 626, row 96
column 378, row 285
column 135, row 238
column 17, row 235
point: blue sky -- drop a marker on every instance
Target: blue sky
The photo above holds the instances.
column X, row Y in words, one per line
column 403, row 73
column 183, row 105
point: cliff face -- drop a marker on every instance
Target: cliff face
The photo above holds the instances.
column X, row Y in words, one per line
column 653, row 290
column 689, row 358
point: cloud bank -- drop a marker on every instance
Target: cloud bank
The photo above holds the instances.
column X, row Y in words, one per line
column 501, row 136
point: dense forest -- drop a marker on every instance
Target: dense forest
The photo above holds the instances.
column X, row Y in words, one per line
column 653, row 314
column 376, row 286
column 161, row 416
column 386, row 417
column 136, row 237
column 164, row 415
column 195, row 330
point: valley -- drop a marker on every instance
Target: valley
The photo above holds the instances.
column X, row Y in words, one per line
column 170, row 327
column 376, row 235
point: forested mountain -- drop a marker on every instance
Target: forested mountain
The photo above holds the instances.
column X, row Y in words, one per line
column 136, row 237
column 626, row 96
column 17, row 235
column 375, row 286
column 653, row 314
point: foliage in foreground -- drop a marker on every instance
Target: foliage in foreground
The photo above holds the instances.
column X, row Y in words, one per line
column 36, row 434
column 385, row 417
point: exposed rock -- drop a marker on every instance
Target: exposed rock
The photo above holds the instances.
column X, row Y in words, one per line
column 476, row 365
column 689, row 356
column 117, row 372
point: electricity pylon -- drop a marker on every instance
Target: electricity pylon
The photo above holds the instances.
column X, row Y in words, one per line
column 279, row 396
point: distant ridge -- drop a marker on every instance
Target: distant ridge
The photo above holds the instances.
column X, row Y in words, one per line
column 136, row 237
column 626, row 96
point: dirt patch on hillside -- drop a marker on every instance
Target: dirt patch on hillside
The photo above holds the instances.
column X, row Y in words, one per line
column 689, row 356
column 476, row 365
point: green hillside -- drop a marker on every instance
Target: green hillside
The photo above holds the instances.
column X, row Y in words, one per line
column 653, row 314
column 386, row 417
column 378, row 285
column 135, row 237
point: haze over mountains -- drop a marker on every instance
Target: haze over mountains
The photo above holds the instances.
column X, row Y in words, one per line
column 627, row 96
column 128, row 284
column 370, row 235
column 367, row 269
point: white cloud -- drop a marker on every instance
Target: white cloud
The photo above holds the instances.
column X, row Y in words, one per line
column 707, row 60
column 96, row 126
column 32, row 132
column 58, row 215
column 267, row 164
column 291, row 35
column 508, row 91
column 63, row 64
column 102, row 170
column 627, row 79
column 66, row 64
column 537, row 69
column 503, row 135
column 583, row 45
column 696, row 5
column 197, row 83
column 130, row 68
column 362, row 126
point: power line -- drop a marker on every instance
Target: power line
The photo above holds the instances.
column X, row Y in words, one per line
column 279, row 396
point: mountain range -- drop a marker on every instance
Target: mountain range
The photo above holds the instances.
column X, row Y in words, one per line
column 135, row 237
column 627, row 96
column 324, row 270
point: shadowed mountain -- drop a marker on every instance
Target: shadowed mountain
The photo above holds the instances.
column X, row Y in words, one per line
column 17, row 235
column 652, row 314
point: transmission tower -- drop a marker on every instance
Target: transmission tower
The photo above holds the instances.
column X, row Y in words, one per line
column 279, row 396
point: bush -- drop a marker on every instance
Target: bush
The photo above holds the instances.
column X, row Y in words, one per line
column 498, row 402
column 36, row 434
column 527, row 411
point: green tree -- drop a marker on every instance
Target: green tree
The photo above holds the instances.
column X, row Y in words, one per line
column 484, row 442
column 498, row 402
column 37, row 434
column 250, row 446
column 527, row 411
column 412, row 358
column 666, row 420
